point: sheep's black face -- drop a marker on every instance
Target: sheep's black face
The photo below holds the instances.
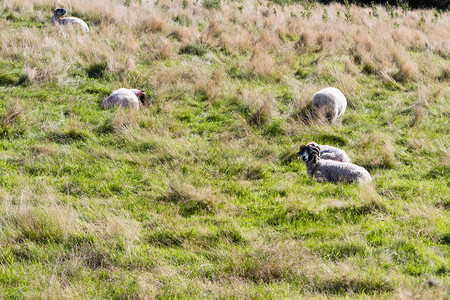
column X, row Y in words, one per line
column 308, row 153
column 304, row 154
column 143, row 97
column 60, row 12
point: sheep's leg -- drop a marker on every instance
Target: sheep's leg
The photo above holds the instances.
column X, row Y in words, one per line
column 319, row 177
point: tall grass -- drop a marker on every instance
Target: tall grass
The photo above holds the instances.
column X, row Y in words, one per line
column 199, row 194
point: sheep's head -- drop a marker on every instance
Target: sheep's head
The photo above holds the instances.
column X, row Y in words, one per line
column 59, row 12
column 142, row 97
column 309, row 152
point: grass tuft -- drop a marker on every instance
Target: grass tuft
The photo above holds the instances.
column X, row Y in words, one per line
column 375, row 150
column 193, row 50
column 11, row 114
column 190, row 199
column 8, row 79
column 96, row 70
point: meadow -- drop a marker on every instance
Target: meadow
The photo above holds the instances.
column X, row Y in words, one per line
column 199, row 194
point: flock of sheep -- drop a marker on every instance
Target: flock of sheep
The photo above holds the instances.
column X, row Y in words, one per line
column 326, row 163
column 323, row 163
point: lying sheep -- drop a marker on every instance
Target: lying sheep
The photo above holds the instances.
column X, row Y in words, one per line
column 330, row 103
column 58, row 18
column 126, row 98
column 331, row 153
column 323, row 170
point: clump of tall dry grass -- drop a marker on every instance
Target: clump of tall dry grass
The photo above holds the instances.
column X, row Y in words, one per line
column 262, row 63
column 47, row 224
column 155, row 23
column 407, row 69
column 191, row 199
column 210, row 83
column 375, row 150
column 301, row 105
column 445, row 72
column 268, row 263
column 185, row 34
column 419, row 113
column 12, row 113
column 261, row 107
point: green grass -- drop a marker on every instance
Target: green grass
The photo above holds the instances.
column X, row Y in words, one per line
column 199, row 196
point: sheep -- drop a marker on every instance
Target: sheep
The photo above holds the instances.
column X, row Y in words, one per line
column 126, row 98
column 324, row 170
column 330, row 102
column 331, row 153
column 58, row 18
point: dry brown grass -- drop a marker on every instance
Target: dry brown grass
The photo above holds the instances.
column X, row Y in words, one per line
column 370, row 198
column 155, row 23
column 375, row 150
column 55, row 223
column 210, row 83
column 269, row 47
column 407, row 69
column 445, row 72
column 269, row 263
column 191, row 199
column 185, row 34
column 419, row 113
column 164, row 49
column 262, row 63
column 262, row 107
column 12, row 113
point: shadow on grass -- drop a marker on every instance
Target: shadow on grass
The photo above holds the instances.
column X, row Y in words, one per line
column 68, row 137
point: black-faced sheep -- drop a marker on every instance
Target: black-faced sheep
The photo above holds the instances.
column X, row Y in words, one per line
column 125, row 98
column 330, row 103
column 323, row 170
column 331, row 153
column 58, row 18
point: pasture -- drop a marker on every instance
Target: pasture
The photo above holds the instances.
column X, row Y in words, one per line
column 199, row 194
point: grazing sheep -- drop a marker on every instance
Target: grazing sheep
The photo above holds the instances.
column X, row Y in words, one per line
column 126, row 98
column 58, row 18
column 331, row 153
column 329, row 102
column 324, row 170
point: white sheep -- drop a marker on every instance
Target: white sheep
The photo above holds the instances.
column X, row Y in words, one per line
column 331, row 153
column 324, row 170
column 330, row 102
column 58, row 18
column 125, row 98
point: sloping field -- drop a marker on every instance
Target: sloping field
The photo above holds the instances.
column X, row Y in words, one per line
column 199, row 194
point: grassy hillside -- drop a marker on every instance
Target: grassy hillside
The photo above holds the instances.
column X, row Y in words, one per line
column 199, row 194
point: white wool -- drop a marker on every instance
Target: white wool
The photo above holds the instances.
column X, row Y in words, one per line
column 331, row 102
column 126, row 98
column 70, row 21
